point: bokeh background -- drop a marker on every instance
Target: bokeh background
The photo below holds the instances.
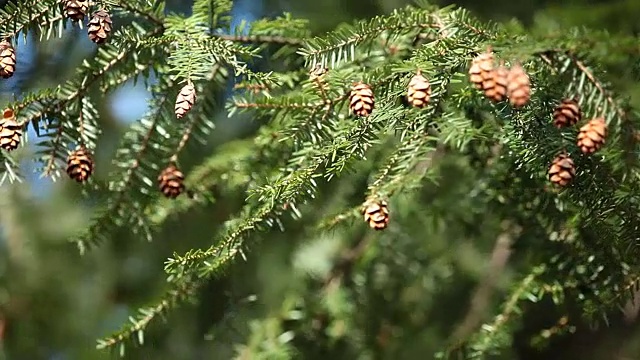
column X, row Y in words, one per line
column 55, row 303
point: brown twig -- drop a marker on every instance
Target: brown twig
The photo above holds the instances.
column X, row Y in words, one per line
column 480, row 300
column 346, row 262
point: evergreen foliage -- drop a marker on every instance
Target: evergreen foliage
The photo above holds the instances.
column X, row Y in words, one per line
column 461, row 170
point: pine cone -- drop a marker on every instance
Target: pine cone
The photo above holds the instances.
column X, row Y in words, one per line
column 7, row 59
column 76, row 10
column 592, row 135
column 518, row 86
column 481, row 69
column 419, row 91
column 185, row 100
column 80, row 165
column 562, row 170
column 10, row 131
column 568, row 113
column 495, row 86
column 361, row 99
column 376, row 213
column 100, row 26
column 318, row 71
column 171, row 181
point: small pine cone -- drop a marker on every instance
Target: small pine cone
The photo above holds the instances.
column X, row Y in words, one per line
column 518, row 86
column 100, row 26
column 318, row 71
column 481, row 69
column 592, row 135
column 7, row 59
column 495, row 86
column 419, row 91
column 171, row 181
column 568, row 113
column 562, row 170
column 361, row 99
column 185, row 100
column 80, row 165
column 76, row 10
column 10, row 131
column 376, row 213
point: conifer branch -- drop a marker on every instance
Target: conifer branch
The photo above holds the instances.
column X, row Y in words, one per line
column 176, row 295
column 589, row 75
column 50, row 167
column 489, row 339
column 111, row 216
column 207, row 263
column 183, row 140
column 20, row 16
column 145, row 14
column 260, row 39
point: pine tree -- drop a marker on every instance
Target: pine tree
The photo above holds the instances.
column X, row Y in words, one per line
column 461, row 172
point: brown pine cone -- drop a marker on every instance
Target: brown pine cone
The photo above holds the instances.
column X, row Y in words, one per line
column 518, row 86
column 567, row 113
column 185, row 100
column 592, row 135
column 80, row 165
column 481, row 69
column 7, row 59
column 10, row 131
column 100, row 27
column 562, row 170
column 171, row 181
column 419, row 91
column 361, row 99
column 376, row 214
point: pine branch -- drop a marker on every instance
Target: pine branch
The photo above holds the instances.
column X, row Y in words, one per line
column 121, row 208
column 210, row 262
column 340, row 45
column 260, row 39
column 45, row 16
column 493, row 336
column 139, row 323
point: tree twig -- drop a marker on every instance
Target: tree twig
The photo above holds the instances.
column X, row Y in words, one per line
column 480, row 300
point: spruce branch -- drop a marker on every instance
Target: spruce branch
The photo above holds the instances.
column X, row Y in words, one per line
column 113, row 214
column 183, row 140
column 138, row 324
column 56, row 144
column 21, row 16
column 144, row 13
column 260, row 39
column 491, row 336
column 289, row 188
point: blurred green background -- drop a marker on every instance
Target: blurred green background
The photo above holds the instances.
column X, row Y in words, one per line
column 55, row 303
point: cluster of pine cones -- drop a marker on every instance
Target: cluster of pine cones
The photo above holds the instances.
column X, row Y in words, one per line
column 80, row 163
column 361, row 103
column 498, row 83
column 591, row 137
column 100, row 24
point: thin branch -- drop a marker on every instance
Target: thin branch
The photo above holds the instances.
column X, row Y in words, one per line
column 125, row 6
column 260, row 39
column 51, row 163
column 480, row 300
column 346, row 261
column 171, row 298
column 81, row 122
column 185, row 137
